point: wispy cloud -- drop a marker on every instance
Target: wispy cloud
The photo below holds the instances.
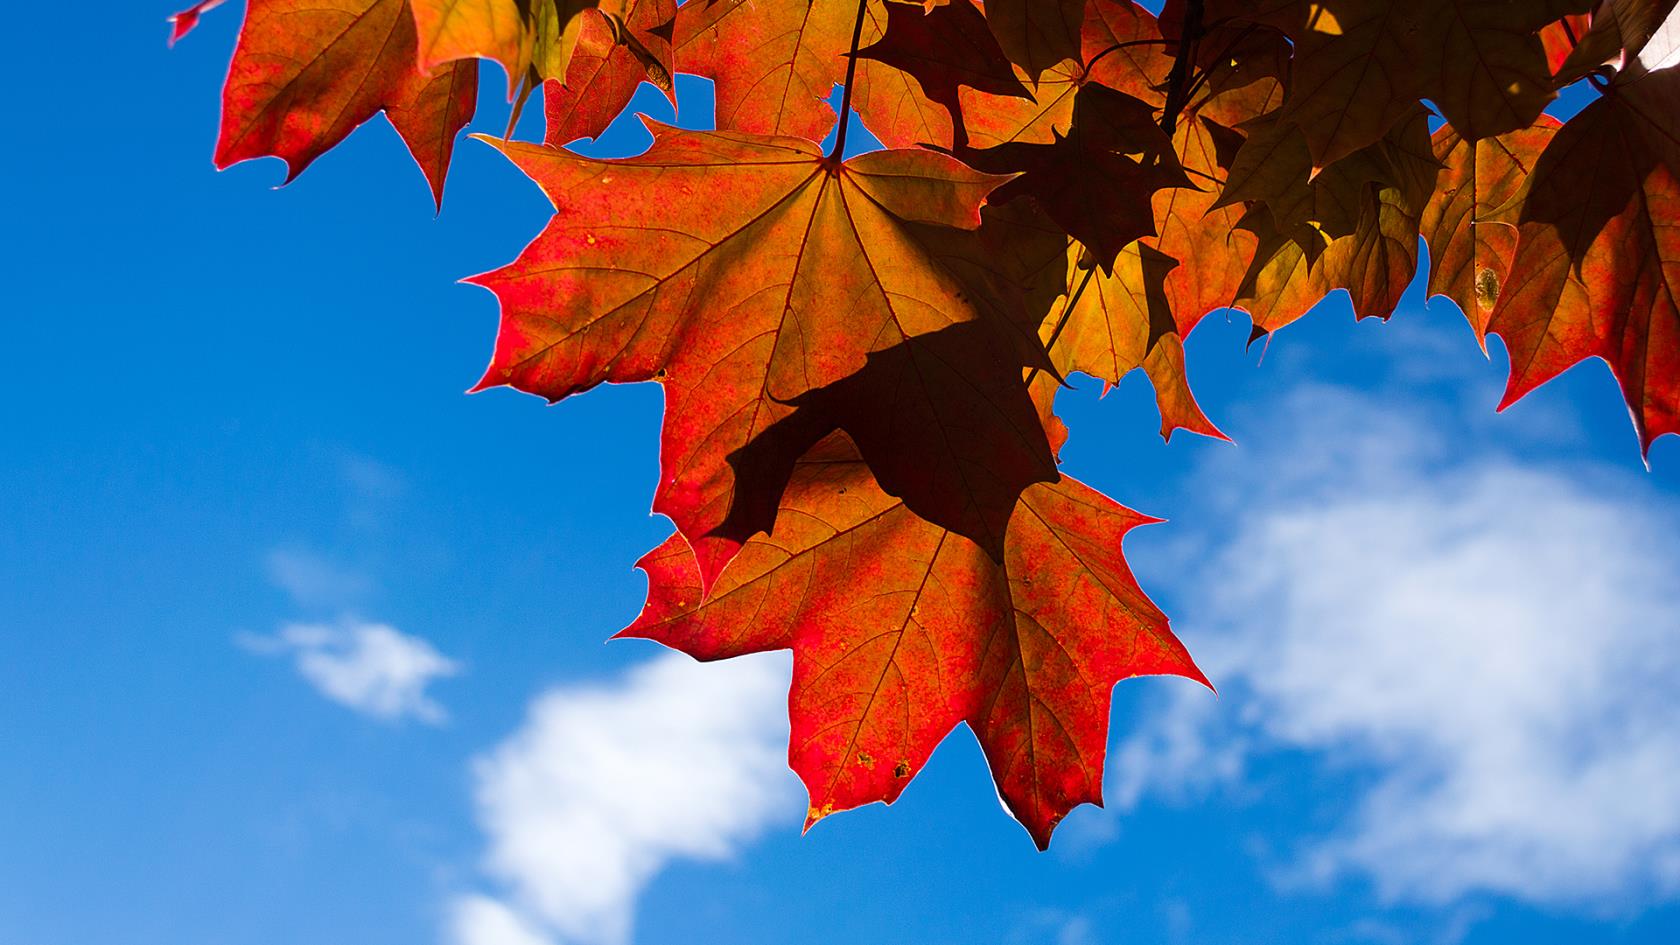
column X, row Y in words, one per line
column 1050, row 926
column 605, row 784
column 369, row 667
column 1490, row 645
column 312, row 581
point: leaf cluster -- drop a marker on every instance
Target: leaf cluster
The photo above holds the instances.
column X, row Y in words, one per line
column 860, row 356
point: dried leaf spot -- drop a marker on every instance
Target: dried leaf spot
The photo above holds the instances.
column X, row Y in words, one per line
column 1487, row 287
column 865, row 759
column 901, row 770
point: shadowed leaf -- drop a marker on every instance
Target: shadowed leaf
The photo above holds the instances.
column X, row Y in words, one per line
column 747, row 275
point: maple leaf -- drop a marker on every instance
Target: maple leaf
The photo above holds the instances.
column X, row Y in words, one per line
column 306, row 73
column 773, row 65
column 619, row 46
column 1470, row 254
column 1360, row 235
column 1198, row 231
column 1037, row 34
column 1123, row 321
column 1097, row 181
column 532, row 40
column 940, row 50
column 1597, row 266
column 861, row 359
column 1119, row 48
column 901, row 630
column 776, row 295
column 184, row 22
column 1361, row 65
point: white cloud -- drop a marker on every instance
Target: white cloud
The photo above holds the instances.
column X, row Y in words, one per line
column 1493, row 649
column 480, row 920
column 605, row 784
column 311, row 581
column 369, row 667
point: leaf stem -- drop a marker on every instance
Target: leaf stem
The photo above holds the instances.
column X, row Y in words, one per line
column 1119, row 46
column 839, row 150
column 1062, row 320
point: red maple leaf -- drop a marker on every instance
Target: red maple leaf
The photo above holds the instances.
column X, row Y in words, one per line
column 1597, row 267
column 306, row 73
column 777, row 294
column 901, row 630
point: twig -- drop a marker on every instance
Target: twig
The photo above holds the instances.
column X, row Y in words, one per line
column 839, row 150
column 1178, row 80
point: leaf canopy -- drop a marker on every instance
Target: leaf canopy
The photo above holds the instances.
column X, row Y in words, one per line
column 861, row 357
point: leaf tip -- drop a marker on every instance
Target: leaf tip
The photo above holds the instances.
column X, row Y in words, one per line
column 814, row 813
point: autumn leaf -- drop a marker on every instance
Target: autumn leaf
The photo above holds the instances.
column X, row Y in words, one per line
column 1361, row 65
column 531, row 40
column 860, row 359
column 1469, row 253
column 1037, row 34
column 1365, row 215
column 180, row 24
column 901, row 630
column 1597, row 267
column 1213, row 253
column 939, row 51
column 776, row 295
column 773, row 65
column 1097, row 181
column 620, row 45
column 306, row 73
column 1122, row 321
column 1119, row 48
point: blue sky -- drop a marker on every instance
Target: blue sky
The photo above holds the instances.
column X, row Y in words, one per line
column 300, row 644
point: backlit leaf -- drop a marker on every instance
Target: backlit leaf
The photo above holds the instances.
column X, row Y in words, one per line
column 902, row 630
column 775, row 295
column 1597, row 268
column 1469, row 253
column 307, row 72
